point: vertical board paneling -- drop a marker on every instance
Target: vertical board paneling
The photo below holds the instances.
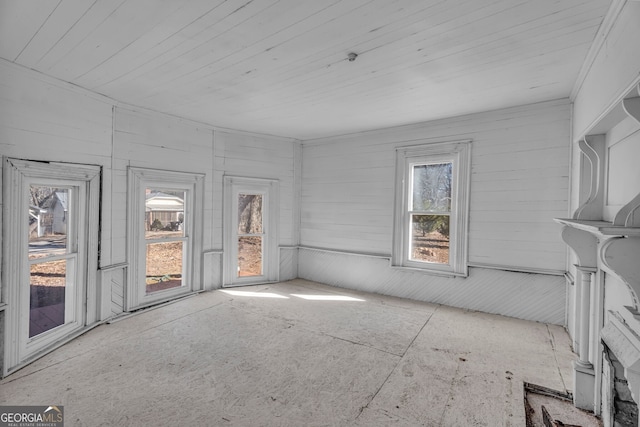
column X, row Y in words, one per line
column 519, row 183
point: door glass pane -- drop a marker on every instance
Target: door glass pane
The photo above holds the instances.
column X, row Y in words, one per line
column 249, row 256
column 48, row 220
column 249, row 214
column 430, row 238
column 432, row 187
column 47, row 287
column 164, row 266
column 164, row 213
column 250, row 231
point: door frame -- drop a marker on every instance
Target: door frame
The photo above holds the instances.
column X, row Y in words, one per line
column 17, row 174
column 269, row 188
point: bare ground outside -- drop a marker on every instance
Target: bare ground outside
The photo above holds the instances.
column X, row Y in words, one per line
column 164, row 266
column 431, row 247
column 249, row 256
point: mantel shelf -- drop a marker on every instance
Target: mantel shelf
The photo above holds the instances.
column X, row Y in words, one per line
column 601, row 228
column 603, row 245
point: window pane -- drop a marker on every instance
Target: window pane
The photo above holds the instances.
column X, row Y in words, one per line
column 432, row 187
column 249, row 256
column 249, row 214
column 164, row 266
column 47, row 286
column 48, row 219
column 164, row 213
column 430, row 238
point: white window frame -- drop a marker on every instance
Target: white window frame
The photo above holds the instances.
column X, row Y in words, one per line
column 193, row 184
column 85, row 182
column 459, row 154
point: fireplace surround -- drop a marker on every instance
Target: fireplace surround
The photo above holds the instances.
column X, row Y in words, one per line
column 604, row 273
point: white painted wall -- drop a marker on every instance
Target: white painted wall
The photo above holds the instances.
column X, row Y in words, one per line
column 519, row 183
column 42, row 118
column 248, row 155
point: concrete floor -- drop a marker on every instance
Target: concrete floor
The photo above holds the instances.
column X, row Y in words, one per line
column 298, row 354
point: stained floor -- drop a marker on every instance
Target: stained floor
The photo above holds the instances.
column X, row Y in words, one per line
column 298, row 353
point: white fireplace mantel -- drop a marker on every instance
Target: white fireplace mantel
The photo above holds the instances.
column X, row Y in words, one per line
column 605, row 239
column 601, row 247
column 613, row 248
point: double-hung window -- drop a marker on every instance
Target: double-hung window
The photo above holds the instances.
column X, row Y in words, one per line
column 431, row 209
column 165, row 235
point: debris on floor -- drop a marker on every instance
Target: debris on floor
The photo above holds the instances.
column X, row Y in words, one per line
column 550, row 408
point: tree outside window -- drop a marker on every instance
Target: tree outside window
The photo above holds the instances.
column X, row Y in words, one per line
column 430, row 212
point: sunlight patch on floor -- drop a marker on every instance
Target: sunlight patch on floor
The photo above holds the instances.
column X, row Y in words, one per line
column 253, row 294
column 326, row 297
column 310, row 297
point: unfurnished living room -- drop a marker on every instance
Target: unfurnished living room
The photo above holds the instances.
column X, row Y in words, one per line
column 320, row 213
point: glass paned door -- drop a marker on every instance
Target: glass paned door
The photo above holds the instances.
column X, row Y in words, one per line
column 165, row 238
column 52, row 254
column 250, row 235
column 251, row 230
column 53, row 258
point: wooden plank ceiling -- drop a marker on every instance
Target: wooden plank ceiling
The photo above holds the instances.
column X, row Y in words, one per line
column 280, row 66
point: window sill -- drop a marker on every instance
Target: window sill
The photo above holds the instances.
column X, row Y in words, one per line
column 430, row 271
